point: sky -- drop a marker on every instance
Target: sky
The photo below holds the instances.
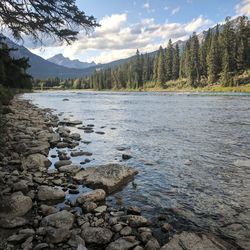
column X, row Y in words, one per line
column 127, row 25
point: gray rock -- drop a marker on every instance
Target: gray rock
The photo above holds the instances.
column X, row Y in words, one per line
column 57, row 235
column 16, row 205
column 60, row 219
column 188, row 240
column 46, row 210
column 50, row 193
column 122, row 244
column 61, row 163
column 152, row 245
column 96, row 235
column 70, row 123
column 109, row 177
column 95, row 195
column 35, row 162
column 17, row 238
column 70, row 169
column 75, row 136
column 13, row 222
column 126, row 231
column 137, row 221
column 89, row 206
column 133, row 210
column 21, row 186
column 101, row 209
column 41, row 246
column 62, row 145
column 27, row 231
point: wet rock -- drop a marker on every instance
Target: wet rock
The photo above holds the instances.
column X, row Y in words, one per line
column 62, row 131
column 63, row 219
column 65, row 99
column 62, row 145
column 35, row 162
column 70, row 123
column 89, row 206
column 71, row 169
column 75, row 136
column 61, row 163
column 96, row 195
column 54, row 139
column 57, row 235
column 109, row 177
column 189, row 240
column 122, row 244
column 16, row 205
column 76, row 153
column 27, row 231
column 133, row 210
column 117, row 227
column 126, row 157
column 137, row 221
column 166, row 227
column 96, row 235
column 100, row 132
column 50, row 193
column 188, row 162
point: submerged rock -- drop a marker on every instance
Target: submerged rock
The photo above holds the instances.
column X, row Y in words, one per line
column 189, row 240
column 70, row 169
column 70, row 123
column 109, row 177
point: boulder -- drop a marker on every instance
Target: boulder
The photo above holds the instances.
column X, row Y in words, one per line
column 89, row 206
column 46, row 210
column 15, row 205
column 93, row 196
column 61, row 163
column 36, row 162
column 109, row 177
column 189, row 240
column 49, row 193
column 71, row 169
column 75, row 136
column 62, row 219
column 96, row 235
column 70, row 123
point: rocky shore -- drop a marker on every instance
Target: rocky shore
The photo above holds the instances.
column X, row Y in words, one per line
column 30, row 191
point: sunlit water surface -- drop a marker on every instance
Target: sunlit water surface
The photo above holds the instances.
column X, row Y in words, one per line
column 192, row 151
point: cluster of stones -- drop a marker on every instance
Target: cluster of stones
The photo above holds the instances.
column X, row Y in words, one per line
column 28, row 189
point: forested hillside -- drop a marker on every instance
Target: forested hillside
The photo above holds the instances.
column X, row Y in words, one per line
column 222, row 57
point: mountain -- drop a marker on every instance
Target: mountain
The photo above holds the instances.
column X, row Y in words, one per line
column 59, row 59
column 41, row 68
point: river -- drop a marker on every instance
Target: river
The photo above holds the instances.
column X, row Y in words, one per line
column 192, row 151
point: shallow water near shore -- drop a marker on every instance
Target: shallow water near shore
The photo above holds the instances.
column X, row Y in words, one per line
column 191, row 150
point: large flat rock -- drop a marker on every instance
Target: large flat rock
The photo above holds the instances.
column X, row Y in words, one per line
column 110, row 177
column 189, row 240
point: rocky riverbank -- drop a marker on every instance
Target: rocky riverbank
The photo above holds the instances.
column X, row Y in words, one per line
column 31, row 190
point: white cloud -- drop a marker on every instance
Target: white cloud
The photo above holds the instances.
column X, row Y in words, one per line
column 117, row 39
column 166, row 8
column 176, row 10
column 243, row 8
column 146, row 5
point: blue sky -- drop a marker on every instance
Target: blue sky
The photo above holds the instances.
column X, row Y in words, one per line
column 143, row 24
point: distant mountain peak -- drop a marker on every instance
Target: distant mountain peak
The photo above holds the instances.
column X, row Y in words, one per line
column 61, row 60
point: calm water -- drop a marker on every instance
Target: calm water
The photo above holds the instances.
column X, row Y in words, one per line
column 163, row 132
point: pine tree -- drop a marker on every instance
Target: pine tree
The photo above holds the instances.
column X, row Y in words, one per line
column 169, row 61
column 225, row 76
column 176, row 62
column 161, row 66
column 138, row 70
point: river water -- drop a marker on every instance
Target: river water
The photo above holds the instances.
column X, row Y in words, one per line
column 192, row 151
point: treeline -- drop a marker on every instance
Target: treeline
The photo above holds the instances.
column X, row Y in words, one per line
column 78, row 83
column 221, row 57
column 13, row 71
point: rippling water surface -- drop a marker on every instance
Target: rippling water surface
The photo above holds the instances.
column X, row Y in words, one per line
column 192, row 151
